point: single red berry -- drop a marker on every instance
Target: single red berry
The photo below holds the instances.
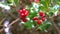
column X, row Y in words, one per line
column 26, row 13
column 41, row 14
column 21, row 17
column 22, row 14
column 35, row 18
column 36, row 1
column 19, row 11
column 43, row 19
column 24, row 20
column 38, row 22
column 24, row 10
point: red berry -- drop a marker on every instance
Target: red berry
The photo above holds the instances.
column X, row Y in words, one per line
column 26, row 13
column 36, row 1
column 22, row 14
column 43, row 19
column 38, row 22
column 35, row 18
column 24, row 10
column 24, row 20
column 19, row 11
column 41, row 14
column 22, row 17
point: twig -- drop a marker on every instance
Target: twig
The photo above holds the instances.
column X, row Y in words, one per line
column 54, row 24
column 10, row 24
column 1, row 30
column 14, row 21
column 57, row 28
column 2, row 20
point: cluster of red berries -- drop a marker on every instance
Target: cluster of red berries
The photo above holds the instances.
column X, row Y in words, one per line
column 23, row 14
column 39, row 21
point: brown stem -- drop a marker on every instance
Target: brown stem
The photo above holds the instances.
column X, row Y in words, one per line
column 10, row 24
column 2, row 21
column 14, row 21
column 1, row 30
column 55, row 26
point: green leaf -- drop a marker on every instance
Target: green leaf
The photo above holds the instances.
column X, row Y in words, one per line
column 9, row 1
column 32, row 14
column 41, row 27
column 51, row 13
column 44, row 26
column 15, row 2
column 28, row 24
column 45, row 3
